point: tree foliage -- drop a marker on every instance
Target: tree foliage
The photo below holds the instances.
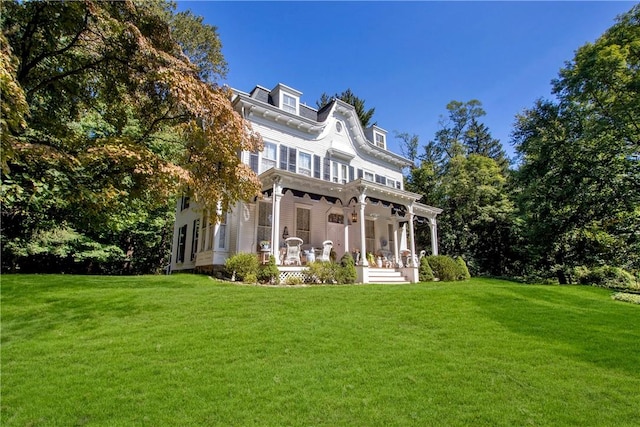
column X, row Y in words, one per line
column 119, row 118
column 350, row 98
column 580, row 173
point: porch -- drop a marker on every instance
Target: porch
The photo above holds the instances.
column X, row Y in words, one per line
column 372, row 221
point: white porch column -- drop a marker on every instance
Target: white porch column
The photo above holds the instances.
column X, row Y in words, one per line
column 412, row 236
column 347, row 221
column 216, row 227
column 396, row 252
column 363, row 243
column 275, row 219
column 434, row 236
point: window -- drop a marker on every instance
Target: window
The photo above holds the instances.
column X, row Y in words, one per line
column 222, row 232
column 339, row 172
column 368, row 176
column 391, row 239
column 269, row 156
column 304, row 163
column 289, row 104
column 391, row 183
column 370, row 235
column 264, row 221
column 182, row 241
column 303, row 224
column 287, row 158
column 381, row 179
column 380, row 140
column 194, row 238
column 184, row 203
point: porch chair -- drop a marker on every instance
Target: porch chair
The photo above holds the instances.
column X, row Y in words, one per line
column 292, row 256
column 326, row 251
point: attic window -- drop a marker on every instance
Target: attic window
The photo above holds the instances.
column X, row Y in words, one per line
column 289, row 104
column 380, row 140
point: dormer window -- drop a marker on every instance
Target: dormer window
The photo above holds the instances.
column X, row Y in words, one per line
column 380, row 140
column 289, row 104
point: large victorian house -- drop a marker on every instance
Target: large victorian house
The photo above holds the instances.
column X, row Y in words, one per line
column 325, row 181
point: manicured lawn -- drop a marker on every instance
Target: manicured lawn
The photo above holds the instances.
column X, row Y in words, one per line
column 186, row 350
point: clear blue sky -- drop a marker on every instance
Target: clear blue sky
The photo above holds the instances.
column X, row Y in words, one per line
column 408, row 59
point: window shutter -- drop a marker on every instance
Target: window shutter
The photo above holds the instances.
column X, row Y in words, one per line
column 283, row 157
column 351, row 173
column 316, row 166
column 292, row 159
column 327, row 169
column 360, row 173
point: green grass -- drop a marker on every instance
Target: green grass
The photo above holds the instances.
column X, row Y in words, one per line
column 186, row 350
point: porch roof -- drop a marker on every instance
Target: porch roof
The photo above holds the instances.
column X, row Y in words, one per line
column 346, row 194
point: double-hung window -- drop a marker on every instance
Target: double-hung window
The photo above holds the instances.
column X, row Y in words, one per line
column 289, row 103
column 269, row 156
column 368, row 176
column 340, row 172
column 304, row 163
column 380, row 140
column 222, row 232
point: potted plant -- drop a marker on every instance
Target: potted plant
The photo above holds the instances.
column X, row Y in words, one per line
column 265, row 245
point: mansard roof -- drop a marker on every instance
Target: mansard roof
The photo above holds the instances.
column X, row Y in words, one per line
column 261, row 103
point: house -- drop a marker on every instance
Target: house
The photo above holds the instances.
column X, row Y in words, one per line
column 324, row 178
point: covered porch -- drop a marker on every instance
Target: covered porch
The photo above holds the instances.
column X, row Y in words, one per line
column 373, row 222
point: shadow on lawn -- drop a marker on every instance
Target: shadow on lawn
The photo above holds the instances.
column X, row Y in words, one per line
column 584, row 323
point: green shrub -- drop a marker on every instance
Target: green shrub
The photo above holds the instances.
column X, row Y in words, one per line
column 463, row 271
column 606, row 277
column 242, row 264
column 625, row 297
column 425, row 272
column 347, row 272
column 444, row 267
column 250, row 278
column 293, row 281
column 269, row 273
column 322, row 272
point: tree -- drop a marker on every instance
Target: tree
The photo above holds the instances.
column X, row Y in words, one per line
column 580, row 172
column 120, row 120
column 350, row 98
column 463, row 171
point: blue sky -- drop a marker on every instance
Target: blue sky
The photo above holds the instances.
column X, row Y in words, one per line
column 408, row 59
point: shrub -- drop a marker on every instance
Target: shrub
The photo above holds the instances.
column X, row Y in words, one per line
column 242, row 264
column 425, row 272
column 625, row 297
column 269, row 273
column 444, row 267
column 322, row 272
column 250, row 278
column 606, row 277
column 463, row 271
column 292, row 281
column 347, row 272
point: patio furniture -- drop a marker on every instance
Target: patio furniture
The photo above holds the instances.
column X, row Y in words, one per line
column 292, row 256
column 326, row 251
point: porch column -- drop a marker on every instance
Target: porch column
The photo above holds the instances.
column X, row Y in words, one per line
column 396, row 252
column 216, row 227
column 412, row 236
column 434, row 235
column 363, row 243
column 345, row 212
column 275, row 220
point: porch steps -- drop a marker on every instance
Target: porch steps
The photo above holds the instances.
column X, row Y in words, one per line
column 386, row 276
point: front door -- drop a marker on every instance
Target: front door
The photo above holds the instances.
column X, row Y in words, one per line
column 335, row 233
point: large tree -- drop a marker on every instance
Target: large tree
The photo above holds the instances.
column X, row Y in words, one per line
column 579, row 177
column 119, row 120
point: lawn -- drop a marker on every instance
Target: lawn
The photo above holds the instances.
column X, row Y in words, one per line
column 187, row 350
